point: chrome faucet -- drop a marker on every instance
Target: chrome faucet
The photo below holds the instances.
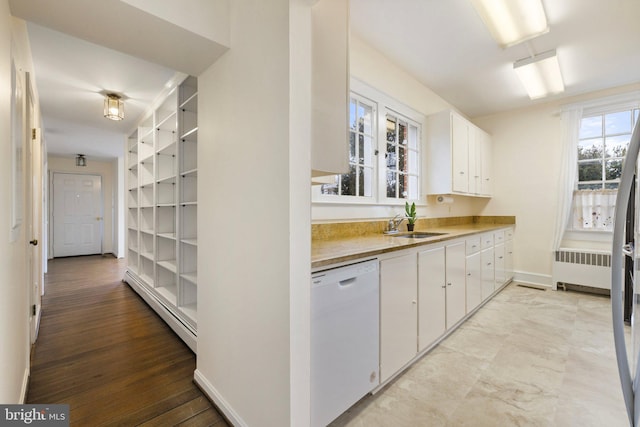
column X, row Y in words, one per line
column 394, row 223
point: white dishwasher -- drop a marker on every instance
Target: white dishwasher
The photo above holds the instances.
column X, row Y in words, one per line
column 345, row 351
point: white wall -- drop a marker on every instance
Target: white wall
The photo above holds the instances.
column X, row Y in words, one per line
column 526, row 165
column 109, row 191
column 14, row 304
column 254, row 264
column 371, row 67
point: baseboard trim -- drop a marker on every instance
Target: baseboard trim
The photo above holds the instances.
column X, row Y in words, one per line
column 213, row 395
column 538, row 280
column 163, row 311
column 25, row 386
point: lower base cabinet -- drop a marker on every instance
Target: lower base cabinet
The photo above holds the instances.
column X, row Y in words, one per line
column 427, row 291
column 398, row 313
column 432, row 296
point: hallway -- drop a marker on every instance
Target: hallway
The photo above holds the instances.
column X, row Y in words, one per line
column 104, row 352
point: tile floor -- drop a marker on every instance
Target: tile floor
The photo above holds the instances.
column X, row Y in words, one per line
column 527, row 358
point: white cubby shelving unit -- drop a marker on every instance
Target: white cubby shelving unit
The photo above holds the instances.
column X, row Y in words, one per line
column 162, row 207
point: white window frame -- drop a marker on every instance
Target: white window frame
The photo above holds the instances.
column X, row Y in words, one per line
column 382, row 104
column 611, row 104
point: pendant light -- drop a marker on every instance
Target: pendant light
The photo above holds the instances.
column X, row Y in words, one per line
column 81, row 160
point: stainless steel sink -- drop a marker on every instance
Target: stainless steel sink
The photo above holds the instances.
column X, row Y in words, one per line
column 418, row 235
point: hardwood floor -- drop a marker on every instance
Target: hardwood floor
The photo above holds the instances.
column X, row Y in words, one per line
column 104, row 352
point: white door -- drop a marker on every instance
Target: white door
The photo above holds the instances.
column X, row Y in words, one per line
column 33, row 195
column 77, row 214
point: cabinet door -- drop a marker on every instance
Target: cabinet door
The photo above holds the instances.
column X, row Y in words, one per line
column 455, row 277
column 473, row 282
column 487, row 273
column 431, row 291
column 330, row 87
column 486, row 167
column 460, row 154
column 475, row 160
column 499, row 256
column 398, row 313
column 508, row 260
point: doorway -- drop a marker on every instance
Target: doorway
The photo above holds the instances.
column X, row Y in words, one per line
column 77, row 214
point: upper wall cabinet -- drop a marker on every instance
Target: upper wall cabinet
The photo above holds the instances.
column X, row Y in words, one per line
column 330, row 87
column 459, row 156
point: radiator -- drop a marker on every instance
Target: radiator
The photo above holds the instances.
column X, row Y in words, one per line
column 582, row 267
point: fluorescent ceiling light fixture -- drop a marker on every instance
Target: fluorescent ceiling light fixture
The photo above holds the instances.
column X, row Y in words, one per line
column 540, row 74
column 113, row 107
column 512, row 21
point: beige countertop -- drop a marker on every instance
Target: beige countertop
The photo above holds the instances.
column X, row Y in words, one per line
column 329, row 251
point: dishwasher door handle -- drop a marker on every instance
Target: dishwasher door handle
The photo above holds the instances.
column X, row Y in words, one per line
column 347, row 282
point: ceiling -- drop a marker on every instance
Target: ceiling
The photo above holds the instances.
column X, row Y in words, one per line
column 442, row 43
column 83, row 49
column 71, row 76
column 445, row 45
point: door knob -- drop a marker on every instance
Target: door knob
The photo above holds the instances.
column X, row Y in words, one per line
column 34, row 242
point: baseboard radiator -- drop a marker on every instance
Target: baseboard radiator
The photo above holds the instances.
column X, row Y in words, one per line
column 582, row 268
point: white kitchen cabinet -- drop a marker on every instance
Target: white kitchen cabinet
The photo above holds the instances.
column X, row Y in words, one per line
column 500, row 275
column 162, row 209
column 508, row 255
column 455, row 273
column 459, row 156
column 487, row 273
column 330, row 87
column 432, row 289
column 398, row 313
column 473, row 278
column 441, row 290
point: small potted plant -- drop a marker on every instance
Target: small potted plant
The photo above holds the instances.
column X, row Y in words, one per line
column 410, row 212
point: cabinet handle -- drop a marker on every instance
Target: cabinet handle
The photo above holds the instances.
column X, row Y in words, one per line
column 414, row 302
column 488, row 263
column 468, row 274
column 461, row 172
column 448, row 284
column 499, row 257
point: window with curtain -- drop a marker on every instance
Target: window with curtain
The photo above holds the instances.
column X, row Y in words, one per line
column 602, row 145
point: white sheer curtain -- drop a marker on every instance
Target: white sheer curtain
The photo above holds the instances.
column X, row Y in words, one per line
column 593, row 209
column 566, row 183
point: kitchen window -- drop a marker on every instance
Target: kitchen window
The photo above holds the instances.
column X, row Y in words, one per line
column 402, row 157
column 359, row 182
column 385, row 139
column 603, row 140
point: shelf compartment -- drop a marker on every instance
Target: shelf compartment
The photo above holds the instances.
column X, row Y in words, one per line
column 146, row 245
column 166, row 190
column 189, row 189
column 132, row 218
column 146, row 196
column 188, row 121
column 171, row 236
column 189, row 262
column 188, row 89
column 167, row 254
column 191, row 135
column 166, row 222
column 167, row 108
column 133, row 239
column 147, row 272
column 188, row 156
column 166, row 141
column 145, row 173
column 146, row 219
column 189, row 221
column 132, row 260
column 188, row 299
column 169, row 265
column 168, row 292
column 169, row 123
column 166, row 166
